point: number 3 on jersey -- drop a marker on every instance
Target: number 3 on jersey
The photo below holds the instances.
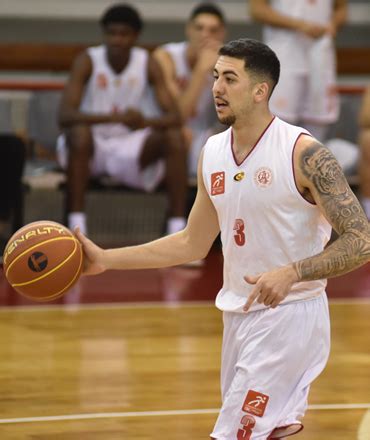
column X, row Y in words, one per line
column 239, row 235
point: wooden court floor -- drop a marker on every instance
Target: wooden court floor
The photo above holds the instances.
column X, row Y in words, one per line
column 150, row 370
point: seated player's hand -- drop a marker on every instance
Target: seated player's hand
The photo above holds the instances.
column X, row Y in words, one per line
column 94, row 255
column 270, row 288
column 312, row 30
column 132, row 118
column 208, row 55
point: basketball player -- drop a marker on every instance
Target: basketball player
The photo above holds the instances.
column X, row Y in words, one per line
column 187, row 68
column 274, row 192
column 364, row 141
column 302, row 32
column 105, row 125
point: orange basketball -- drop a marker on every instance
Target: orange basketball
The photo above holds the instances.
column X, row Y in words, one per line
column 43, row 260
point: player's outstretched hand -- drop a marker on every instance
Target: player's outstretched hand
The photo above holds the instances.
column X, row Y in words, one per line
column 94, row 255
column 270, row 288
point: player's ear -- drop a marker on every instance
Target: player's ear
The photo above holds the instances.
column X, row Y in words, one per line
column 261, row 91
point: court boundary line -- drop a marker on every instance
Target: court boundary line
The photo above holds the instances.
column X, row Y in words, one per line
column 164, row 413
column 147, row 305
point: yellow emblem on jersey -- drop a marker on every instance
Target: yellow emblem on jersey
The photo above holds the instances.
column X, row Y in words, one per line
column 239, row 176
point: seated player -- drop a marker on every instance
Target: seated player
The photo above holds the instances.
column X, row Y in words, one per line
column 188, row 67
column 106, row 130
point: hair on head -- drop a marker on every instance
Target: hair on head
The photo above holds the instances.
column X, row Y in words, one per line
column 258, row 58
column 122, row 13
column 207, row 8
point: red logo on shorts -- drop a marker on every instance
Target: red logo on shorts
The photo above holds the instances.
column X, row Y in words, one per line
column 255, row 403
column 217, row 183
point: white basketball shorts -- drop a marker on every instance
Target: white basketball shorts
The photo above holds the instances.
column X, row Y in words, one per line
column 269, row 359
column 118, row 157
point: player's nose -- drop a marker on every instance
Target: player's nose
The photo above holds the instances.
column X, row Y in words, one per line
column 217, row 88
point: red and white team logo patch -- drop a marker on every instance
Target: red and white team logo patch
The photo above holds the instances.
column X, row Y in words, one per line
column 217, row 183
column 101, row 81
column 255, row 403
column 263, row 177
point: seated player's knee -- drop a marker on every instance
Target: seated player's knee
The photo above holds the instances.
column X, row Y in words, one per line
column 163, row 144
column 175, row 141
column 79, row 140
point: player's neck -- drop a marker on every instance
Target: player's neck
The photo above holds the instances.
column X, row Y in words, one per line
column 118, row 64
column 247, row 132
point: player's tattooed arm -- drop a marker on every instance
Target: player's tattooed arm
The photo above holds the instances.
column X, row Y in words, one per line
column 330, row 190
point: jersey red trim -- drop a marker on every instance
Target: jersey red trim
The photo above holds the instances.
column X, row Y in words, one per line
column 294, row 176
column 254, row 146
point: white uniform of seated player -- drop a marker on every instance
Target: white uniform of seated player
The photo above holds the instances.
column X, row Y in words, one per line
column 187, row 68
column 107, row 129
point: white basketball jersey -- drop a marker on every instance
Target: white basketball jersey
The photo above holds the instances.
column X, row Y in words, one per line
column 205, row 115
column 265, row 222
column 291, row 47
column 108, row 91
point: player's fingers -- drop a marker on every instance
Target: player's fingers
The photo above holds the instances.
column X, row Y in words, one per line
column 268, row 300
column 82, row 237
column 277, row 300
column 78, row 233
column 262, row 296
column 251, row 298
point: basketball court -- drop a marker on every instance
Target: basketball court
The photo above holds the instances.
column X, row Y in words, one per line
column 136, row 355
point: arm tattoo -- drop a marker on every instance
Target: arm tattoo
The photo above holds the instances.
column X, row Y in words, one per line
column 342, row 209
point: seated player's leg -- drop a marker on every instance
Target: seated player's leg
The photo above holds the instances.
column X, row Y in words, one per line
column 75, row 150
column 269, row 360
column 143, row 158
column 170, row 147
column 364, row 170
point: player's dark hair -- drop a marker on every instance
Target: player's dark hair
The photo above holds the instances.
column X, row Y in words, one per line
column 122, row 13
column 258, row 58
column 207, row 8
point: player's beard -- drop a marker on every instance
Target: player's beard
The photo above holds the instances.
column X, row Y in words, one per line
column 227, row 120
